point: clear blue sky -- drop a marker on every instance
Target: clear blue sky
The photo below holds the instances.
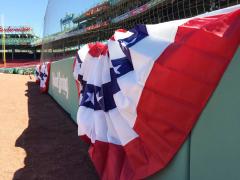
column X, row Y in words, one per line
column 31, row 12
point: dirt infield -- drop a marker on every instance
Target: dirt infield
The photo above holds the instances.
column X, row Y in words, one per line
column 38, row 141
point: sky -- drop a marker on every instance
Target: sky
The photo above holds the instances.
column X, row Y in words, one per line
column 31, row 12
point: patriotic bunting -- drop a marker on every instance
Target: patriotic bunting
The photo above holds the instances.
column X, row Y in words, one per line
column 37, row 73
column 44, row 76
column 143, row 91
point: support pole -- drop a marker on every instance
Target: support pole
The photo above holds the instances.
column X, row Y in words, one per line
column 34, row 54
column 3, row 43
column 78, row 44
column 13, row 50
column 64, row 50
column 4, row 49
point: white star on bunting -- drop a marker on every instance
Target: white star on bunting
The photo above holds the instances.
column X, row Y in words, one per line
column 98, row 96
column 90, row 98
column 116, row 69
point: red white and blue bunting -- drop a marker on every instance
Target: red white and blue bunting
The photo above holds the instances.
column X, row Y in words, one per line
column 44, row 76
column 143, row 91
column 37, row 73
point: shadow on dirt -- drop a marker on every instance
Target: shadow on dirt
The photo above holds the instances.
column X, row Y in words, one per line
column 54, row 151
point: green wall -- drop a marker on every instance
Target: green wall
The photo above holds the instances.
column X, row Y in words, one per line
column 62, row 86
column 212, row 152
column 215, row 140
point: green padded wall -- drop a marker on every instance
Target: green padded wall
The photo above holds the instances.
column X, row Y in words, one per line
column 215, row 141
column 62, row 86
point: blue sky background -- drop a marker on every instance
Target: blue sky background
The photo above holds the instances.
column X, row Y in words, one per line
column 31, row 12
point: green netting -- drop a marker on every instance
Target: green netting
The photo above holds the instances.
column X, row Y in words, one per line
column 68, row 25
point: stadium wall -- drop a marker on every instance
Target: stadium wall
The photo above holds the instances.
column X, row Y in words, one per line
column 211, row 151
column 62, row 86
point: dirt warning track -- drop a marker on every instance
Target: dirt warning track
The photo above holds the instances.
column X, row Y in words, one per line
column 38, row 141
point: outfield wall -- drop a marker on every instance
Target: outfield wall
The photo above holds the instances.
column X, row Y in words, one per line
column 62, row 86
column 212, row 150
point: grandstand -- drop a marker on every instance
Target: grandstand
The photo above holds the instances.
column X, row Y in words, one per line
column 18, row 43
column 99, row 22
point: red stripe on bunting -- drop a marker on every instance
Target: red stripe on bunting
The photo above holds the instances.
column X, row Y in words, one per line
column 181, row 81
